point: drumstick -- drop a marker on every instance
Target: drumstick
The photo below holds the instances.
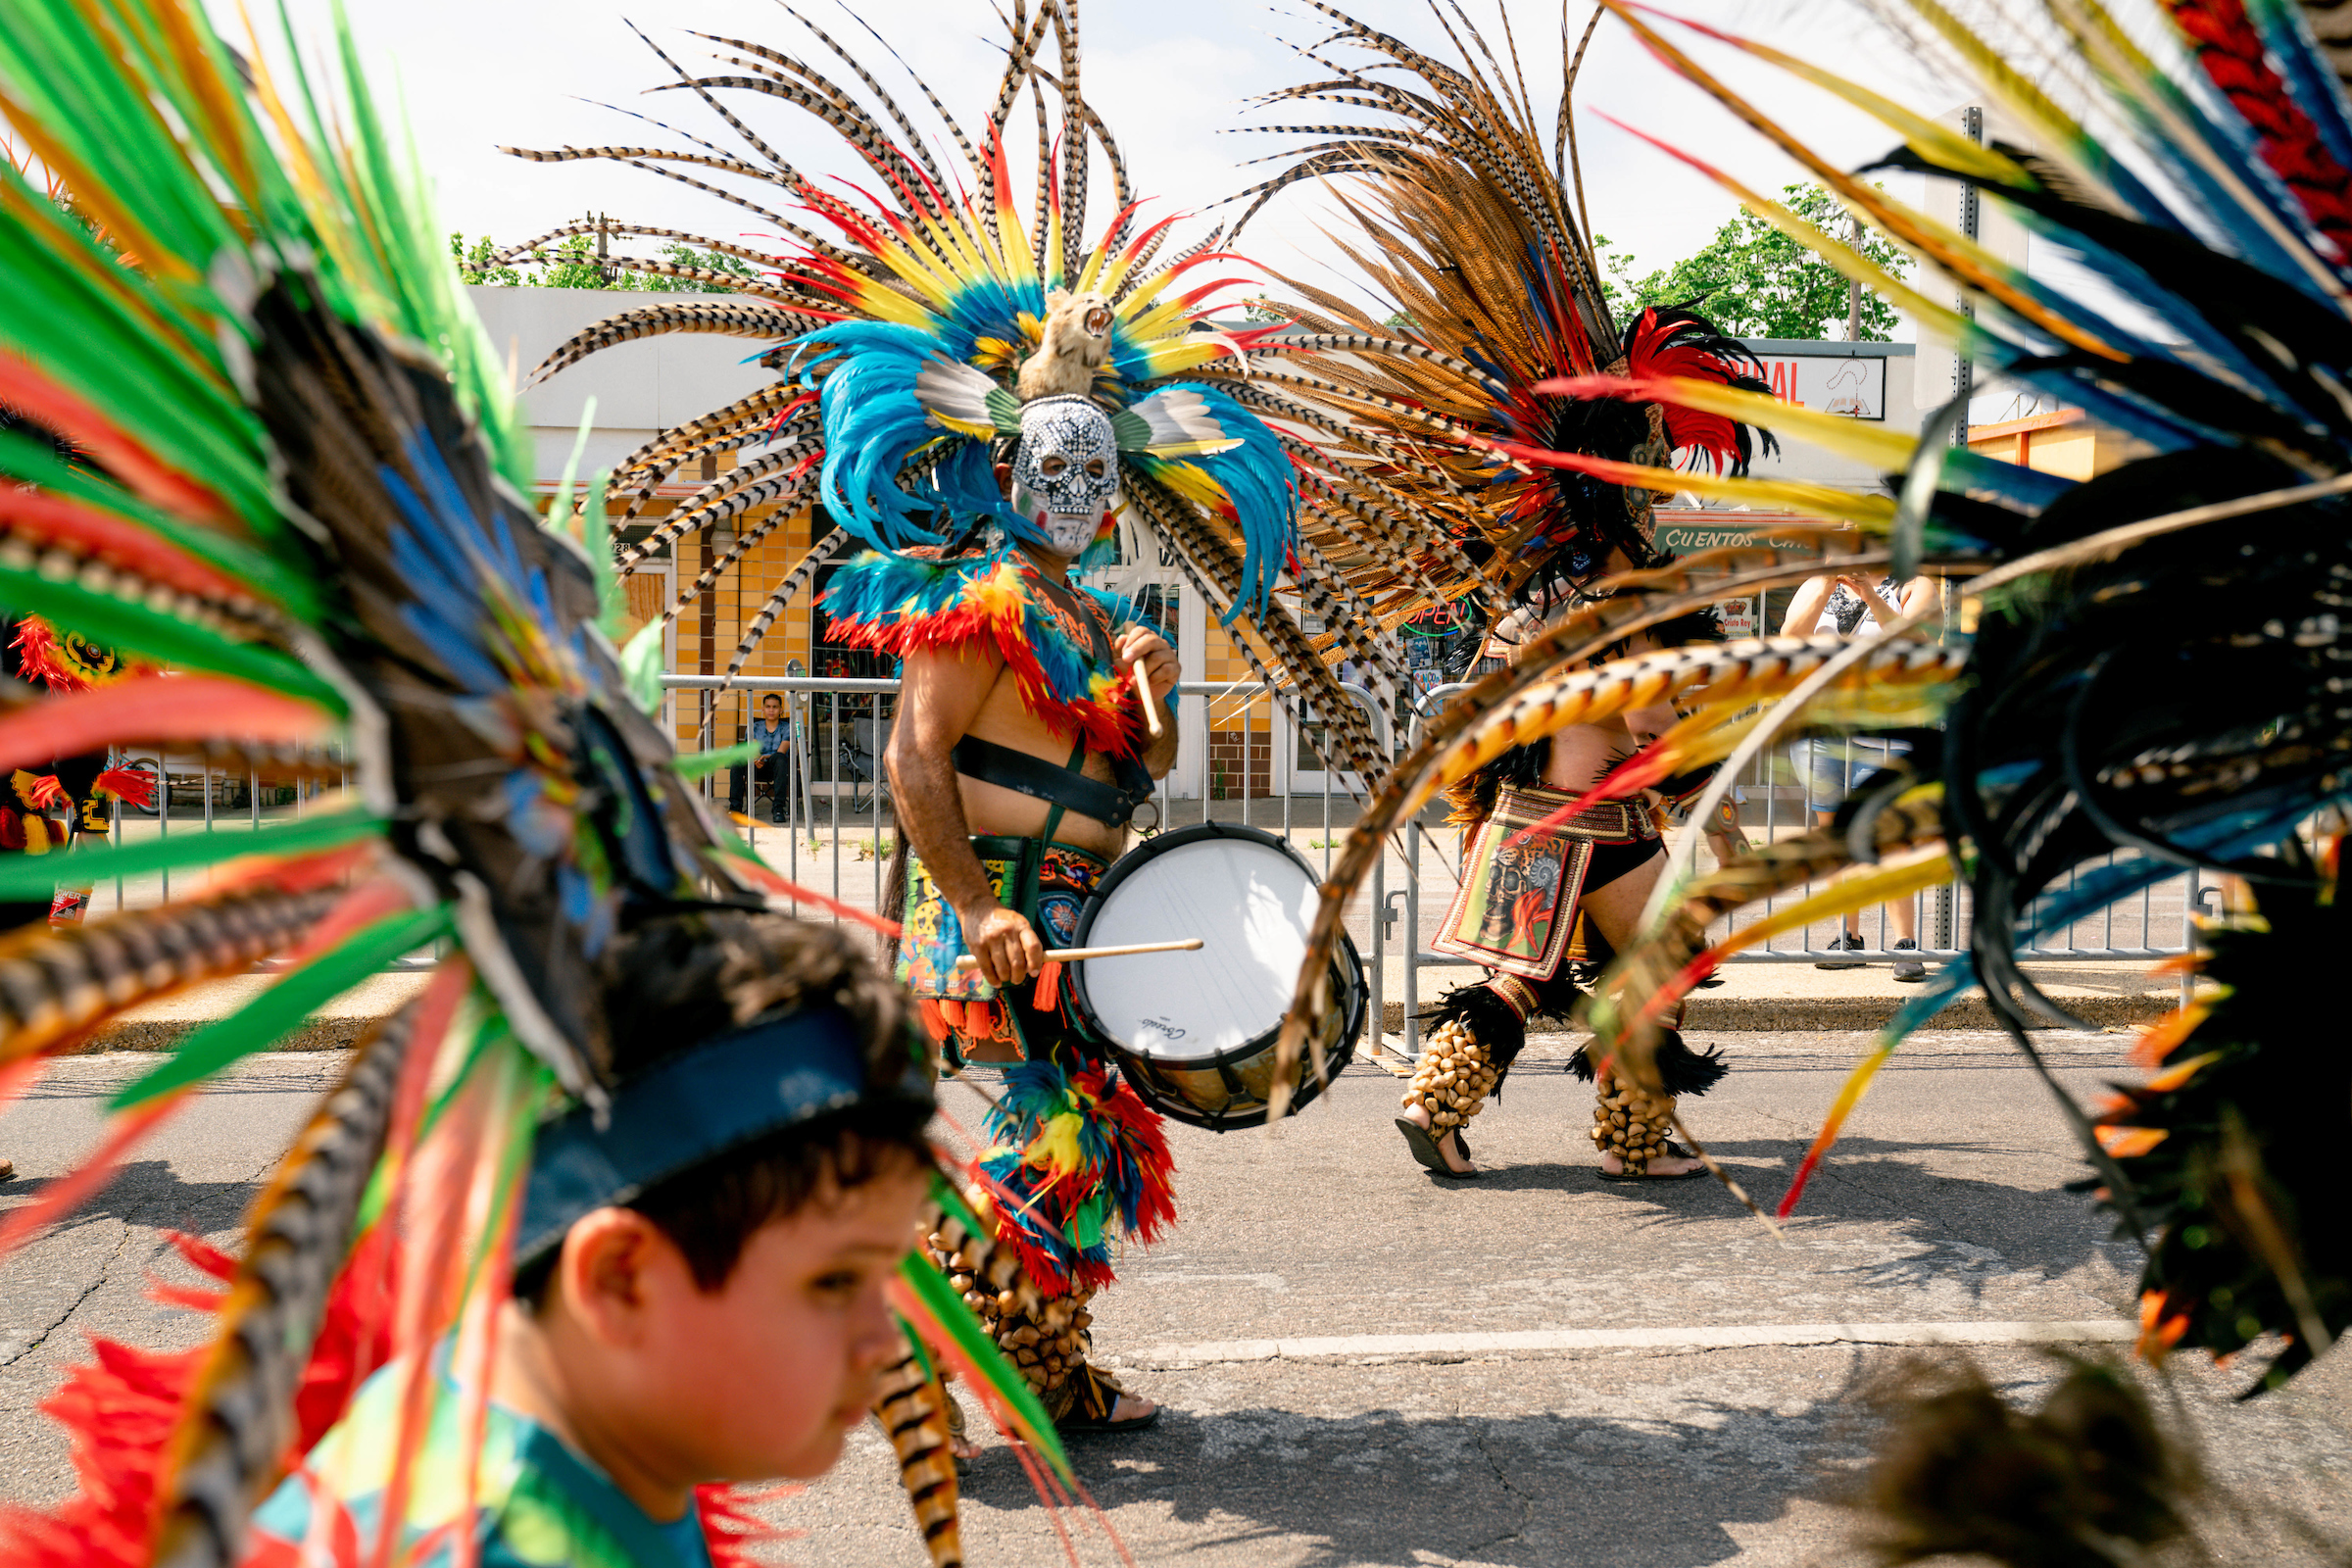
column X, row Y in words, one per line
column 1079, row 954
column 1143, row 694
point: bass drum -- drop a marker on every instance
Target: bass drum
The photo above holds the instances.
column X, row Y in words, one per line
column 1194, row 1031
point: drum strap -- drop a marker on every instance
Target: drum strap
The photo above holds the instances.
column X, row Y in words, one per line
column 1061, row 787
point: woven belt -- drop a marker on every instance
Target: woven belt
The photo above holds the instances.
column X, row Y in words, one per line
column 1611, row 819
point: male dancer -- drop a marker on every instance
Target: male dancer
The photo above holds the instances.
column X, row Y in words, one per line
column 1609, row 855
column 1538, row 485
column 1018, row 756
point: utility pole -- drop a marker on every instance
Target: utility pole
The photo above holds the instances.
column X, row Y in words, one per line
column 603, row 273
column 1964, row 368
column 1854, row 289
column 1943, row 913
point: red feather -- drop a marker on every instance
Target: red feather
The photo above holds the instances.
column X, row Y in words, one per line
column 42, row 519
column 2234, row 58
column 132, row 786
column 54, row 408
column 157, row 708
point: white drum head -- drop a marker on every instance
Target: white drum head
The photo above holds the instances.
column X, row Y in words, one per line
column 1250, row 904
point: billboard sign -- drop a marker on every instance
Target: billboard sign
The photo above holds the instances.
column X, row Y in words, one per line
column 1854, row 385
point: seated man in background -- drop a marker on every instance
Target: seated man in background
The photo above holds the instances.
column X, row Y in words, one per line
column 772, row 766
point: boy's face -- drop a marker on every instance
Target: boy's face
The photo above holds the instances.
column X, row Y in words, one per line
column 769, row 1372
column 771, row 709
column 759, row 1379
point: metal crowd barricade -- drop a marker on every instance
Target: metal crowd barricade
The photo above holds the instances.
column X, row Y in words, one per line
column 841, row 725
column 219, row 792
column 1220, row 792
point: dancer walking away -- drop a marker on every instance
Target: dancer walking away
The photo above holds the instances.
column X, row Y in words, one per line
column 1541, row 904
column 1508, row 370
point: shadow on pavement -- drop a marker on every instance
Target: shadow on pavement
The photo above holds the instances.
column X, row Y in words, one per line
column 2038, row 1226
column 1388, row 1487
column 146, row 1193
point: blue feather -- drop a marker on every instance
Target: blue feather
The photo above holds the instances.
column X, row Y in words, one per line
column 1258, row 479
column 873, row 423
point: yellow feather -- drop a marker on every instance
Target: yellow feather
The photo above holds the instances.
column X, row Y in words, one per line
column 1947, row 248
column 1925, row 868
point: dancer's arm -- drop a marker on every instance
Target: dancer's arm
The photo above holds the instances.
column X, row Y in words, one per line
column 939, row 695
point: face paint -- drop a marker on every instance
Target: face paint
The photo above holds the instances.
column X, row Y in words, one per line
column 1067, row 474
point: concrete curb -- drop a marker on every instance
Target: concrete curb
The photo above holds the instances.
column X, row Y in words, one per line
column 159, row 1035
column 345, row 1021
column 340, row 1025
column 1795, row 1014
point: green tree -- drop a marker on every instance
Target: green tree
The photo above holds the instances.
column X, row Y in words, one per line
column 473, row 261
column 1752, row 281
column 572, row 263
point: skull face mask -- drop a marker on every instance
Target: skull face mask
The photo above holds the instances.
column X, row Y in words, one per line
column 1065, row 475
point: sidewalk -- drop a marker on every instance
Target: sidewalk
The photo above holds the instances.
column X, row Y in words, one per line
column 1755, row 996
column 1800, row 996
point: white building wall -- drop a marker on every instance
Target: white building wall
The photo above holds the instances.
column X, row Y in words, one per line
column 639, row 387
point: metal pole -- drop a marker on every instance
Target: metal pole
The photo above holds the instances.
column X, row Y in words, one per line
column 1944, row 903
column 1410, row 928
column 1964, row 368
column 1854, row 292
column 163, row 817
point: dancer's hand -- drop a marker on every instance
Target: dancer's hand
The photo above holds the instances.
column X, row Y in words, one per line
column 1141, row 644
column 1004, row 943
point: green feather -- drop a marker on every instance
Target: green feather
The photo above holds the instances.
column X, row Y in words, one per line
column 702, row 764
column 27, row 876
column 278, row 1010
column 640, row 667
column 135, row 629
column 268, row 576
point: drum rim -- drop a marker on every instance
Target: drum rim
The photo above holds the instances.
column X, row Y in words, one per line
column 1352, row 1025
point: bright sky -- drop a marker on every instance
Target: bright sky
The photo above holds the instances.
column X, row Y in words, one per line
column 1169, row 78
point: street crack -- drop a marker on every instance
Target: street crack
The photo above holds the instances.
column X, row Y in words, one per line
column 97, row 1283
column 1526, row 1504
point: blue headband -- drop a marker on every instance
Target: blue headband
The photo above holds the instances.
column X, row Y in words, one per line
column 691, row 1107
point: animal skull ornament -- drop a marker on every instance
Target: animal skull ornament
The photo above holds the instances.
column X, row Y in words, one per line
column 1065, row 475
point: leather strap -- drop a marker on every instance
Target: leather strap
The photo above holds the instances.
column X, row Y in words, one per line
column 1039, row 779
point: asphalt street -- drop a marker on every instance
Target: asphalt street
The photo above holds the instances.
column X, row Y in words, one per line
column 1671, row 1384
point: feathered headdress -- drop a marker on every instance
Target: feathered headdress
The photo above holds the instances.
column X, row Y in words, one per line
column 2143, row 688
column 299, row 482
column 916, row 318
column 1474, row 229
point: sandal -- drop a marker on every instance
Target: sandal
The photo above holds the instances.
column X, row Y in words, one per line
column 1097, row 1402
column 1674, row 1150
column 1426, row 1151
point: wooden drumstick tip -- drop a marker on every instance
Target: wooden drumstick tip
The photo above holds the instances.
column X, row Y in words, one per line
column 1081, row 954
column 1142, row 695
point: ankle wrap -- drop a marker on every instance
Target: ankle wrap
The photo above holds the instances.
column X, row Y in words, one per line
column 1631, row 1123
column 1455, row 1075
